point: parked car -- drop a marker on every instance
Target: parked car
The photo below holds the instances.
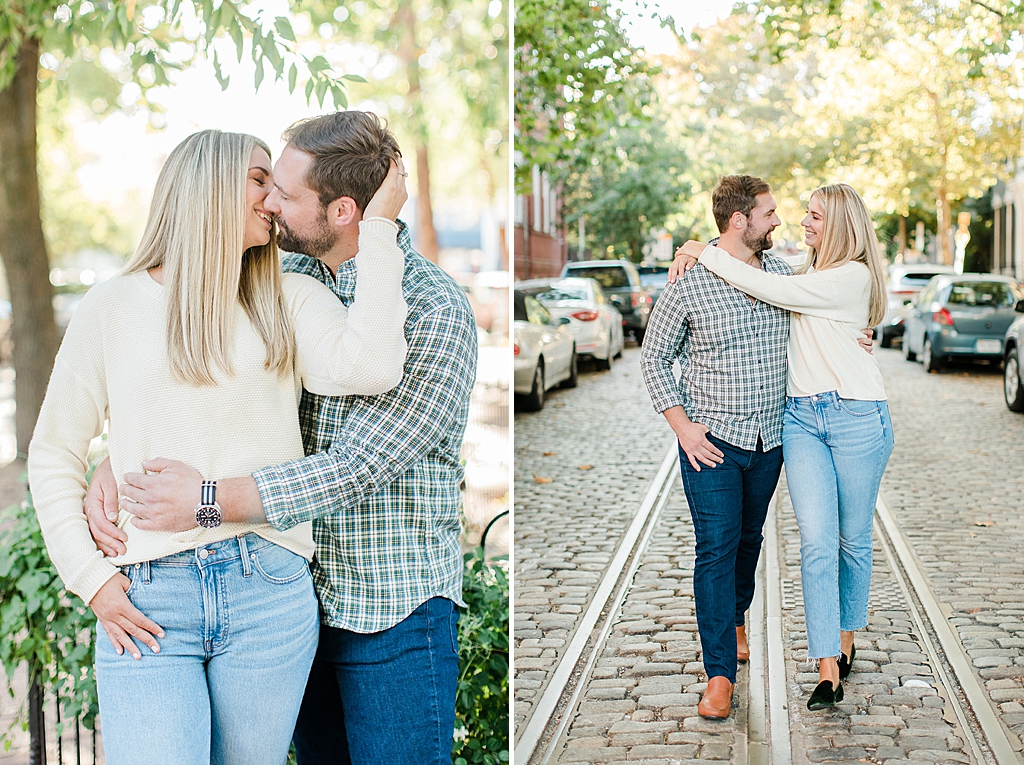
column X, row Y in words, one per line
column 960, row 316
column 544, row 351
column 654, row 279
column 621, row 283
column 594, row 322
column 1013, row 386
column 902, row 285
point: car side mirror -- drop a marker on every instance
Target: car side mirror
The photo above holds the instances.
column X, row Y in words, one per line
column 564, row 320
column 616, row 301
column 1019, row 306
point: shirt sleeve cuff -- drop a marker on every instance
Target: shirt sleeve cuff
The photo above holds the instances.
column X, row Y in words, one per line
column 277, row 504
column 379, row 225
column 96, row 574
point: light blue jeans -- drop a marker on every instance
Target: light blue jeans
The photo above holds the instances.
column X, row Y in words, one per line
column 835, row 452
column 241, row 625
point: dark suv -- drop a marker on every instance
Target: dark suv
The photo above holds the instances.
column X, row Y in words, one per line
column 621, row 283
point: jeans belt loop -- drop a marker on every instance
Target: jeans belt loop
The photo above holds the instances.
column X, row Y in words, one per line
column 835, row 400
column 146, row 572
column 243, row 551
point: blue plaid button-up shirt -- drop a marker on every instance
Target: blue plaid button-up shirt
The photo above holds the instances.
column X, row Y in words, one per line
column 381, row 482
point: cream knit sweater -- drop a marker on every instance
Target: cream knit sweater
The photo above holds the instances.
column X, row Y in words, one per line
column 828, row 311
column 113, row 366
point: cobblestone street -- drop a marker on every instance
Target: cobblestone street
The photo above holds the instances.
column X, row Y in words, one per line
column 953, row 486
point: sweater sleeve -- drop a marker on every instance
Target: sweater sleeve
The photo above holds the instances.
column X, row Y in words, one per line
column 827, row 294
column 72, row 414
column 358, row 350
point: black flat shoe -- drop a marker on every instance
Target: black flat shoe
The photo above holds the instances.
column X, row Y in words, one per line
column 825, row 695
column 846, row 665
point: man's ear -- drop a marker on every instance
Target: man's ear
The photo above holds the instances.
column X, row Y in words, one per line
column 738, row 220
column 343, row 211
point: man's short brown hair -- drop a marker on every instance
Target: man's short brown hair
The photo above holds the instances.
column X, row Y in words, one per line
column 352, row 152
column 735, row 193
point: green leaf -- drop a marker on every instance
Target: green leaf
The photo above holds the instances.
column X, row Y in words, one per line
column 309, row 89
column 258, row 78
column 318, row 64
column 235, row 30
column 353, row 78
column 321, row 91
column 293, row 75
column 338, row 94
column 284, row 28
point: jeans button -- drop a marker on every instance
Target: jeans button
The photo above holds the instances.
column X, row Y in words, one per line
column 204, row 554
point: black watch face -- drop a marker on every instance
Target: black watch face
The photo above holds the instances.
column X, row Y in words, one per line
column 208, row 516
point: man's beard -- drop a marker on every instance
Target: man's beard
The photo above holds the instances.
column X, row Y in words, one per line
column 315, row 245
column 757, row 242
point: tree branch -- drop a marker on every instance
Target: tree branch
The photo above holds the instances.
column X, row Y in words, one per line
column 988, row 8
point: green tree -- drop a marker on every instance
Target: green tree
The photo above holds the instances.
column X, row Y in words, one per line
column 575, row 74
column 152, row 40
column 937, row 84
column 449, row 55
column 629, row 183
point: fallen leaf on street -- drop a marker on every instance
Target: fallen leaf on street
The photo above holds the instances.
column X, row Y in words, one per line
column 586, row 467
column 984, row 523
column 542, row 479
column 548, row 454
column 558, row 406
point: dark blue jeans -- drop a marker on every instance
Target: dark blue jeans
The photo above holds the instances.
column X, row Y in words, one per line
column 728, row 504
column 383, row 697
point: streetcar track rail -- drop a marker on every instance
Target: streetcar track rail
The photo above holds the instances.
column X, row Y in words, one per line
column 765, row 738
column 551, row 714
column 984, row 733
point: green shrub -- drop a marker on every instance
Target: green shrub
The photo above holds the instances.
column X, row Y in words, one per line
column 41, row 624
column 481, row 707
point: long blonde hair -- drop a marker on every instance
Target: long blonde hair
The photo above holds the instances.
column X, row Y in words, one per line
column 849, row 234
column 195, row 231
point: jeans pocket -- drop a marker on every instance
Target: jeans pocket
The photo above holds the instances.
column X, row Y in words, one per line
column 278, row 565
column 858, row 408
column 134, row 574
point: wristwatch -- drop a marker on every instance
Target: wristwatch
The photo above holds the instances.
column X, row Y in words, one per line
column 208, row 512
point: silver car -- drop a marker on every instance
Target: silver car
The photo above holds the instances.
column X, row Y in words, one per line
column 594, row 321
column 544, row 352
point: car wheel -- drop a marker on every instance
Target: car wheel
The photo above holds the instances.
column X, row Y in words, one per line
column 606, row 363
column 1013, row 390
column 932, row 363
column 908, row 354
column 574, row 371
column 639, row 335
column 535, row 401
column 885, row 339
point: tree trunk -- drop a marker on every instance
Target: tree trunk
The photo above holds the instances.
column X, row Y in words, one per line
column 409, row 52
column 426, row 234
column 943, row 215
column 22, row 246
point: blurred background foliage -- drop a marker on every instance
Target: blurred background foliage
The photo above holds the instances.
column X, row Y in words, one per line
column 917, row 105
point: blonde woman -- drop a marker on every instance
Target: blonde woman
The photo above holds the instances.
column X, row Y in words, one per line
column 198, row 351
column 837, row 434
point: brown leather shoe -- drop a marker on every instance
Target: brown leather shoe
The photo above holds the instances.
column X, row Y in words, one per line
column 742, row 649
column 717, row 701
